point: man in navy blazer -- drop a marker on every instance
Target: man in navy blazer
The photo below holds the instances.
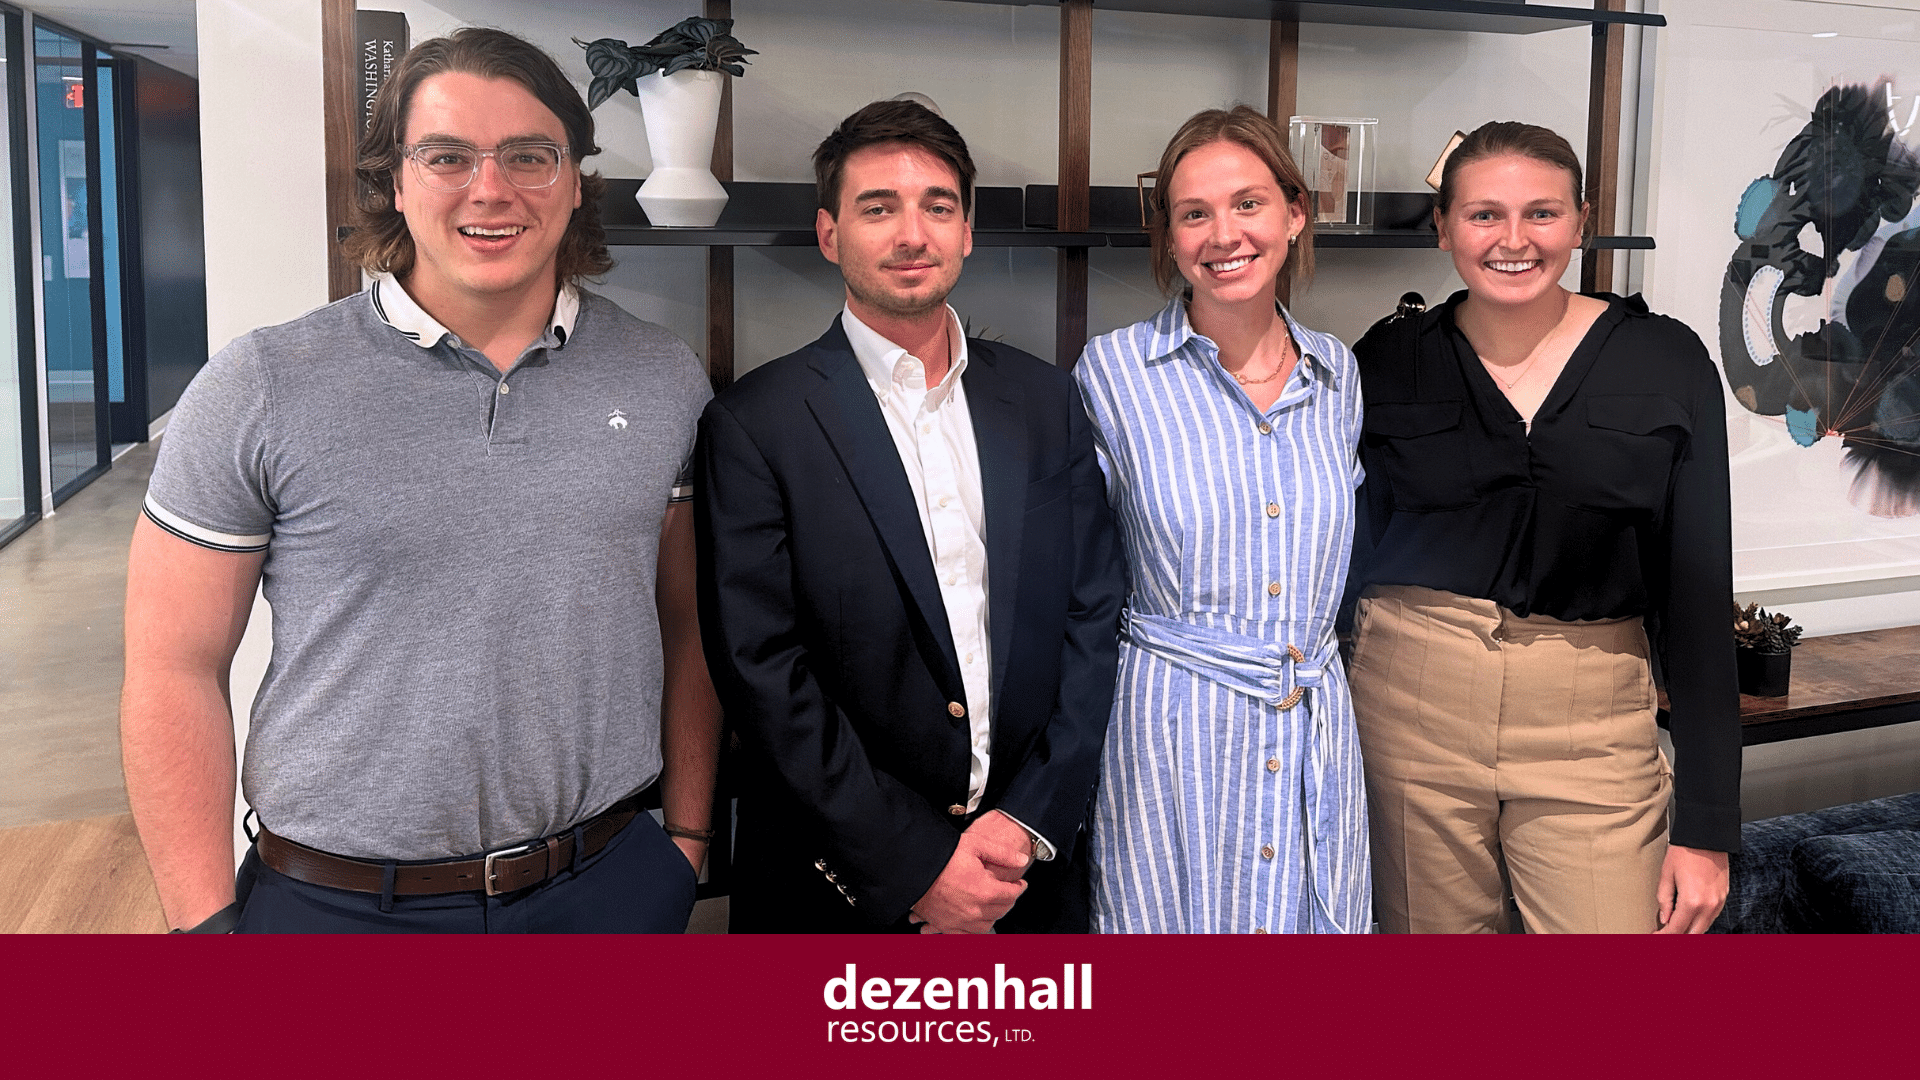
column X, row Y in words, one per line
column 909, row 582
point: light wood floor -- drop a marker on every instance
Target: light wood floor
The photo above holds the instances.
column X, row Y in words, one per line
column 86, row 876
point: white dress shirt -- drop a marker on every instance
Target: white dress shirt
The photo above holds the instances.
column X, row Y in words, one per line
column 933, row 431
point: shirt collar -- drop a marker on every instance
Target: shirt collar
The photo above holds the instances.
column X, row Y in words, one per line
column 399, row 310
column 889, row 367
column 1172, row 325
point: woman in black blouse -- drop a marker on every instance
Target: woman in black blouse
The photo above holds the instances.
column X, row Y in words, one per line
column 1546, row 487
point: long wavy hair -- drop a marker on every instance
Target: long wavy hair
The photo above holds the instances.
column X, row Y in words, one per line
column 380, row 241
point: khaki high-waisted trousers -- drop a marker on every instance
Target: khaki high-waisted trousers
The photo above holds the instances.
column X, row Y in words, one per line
column 1504, row 749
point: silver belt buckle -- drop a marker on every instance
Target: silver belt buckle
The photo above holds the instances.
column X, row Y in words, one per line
column 488, row 871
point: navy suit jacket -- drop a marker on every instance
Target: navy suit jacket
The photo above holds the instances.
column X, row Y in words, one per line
column 830, row 646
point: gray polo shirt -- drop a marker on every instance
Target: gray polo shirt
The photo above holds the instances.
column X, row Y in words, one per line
column 466, row 649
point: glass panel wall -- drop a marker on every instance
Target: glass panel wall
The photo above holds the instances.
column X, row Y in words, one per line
column 75, row 399
column 15, row 390
column 106, row 102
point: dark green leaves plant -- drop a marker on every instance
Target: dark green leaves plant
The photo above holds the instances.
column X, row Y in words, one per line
column 1754, row 628
column 694, row 44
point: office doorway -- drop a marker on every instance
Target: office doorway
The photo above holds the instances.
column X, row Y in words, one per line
column 82, row 302
column 19, row 371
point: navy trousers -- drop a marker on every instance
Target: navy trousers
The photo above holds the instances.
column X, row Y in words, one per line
column 639, row 883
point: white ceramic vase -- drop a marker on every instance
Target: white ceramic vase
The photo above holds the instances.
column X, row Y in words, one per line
column 681, row 111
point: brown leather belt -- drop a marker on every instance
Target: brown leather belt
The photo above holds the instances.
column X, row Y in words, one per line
column 494, row 873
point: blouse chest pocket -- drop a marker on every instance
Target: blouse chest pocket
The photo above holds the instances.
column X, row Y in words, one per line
column 1630, row 446
column 1423, row 451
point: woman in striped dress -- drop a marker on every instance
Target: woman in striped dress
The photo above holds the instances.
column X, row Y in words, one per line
column 1231, row 797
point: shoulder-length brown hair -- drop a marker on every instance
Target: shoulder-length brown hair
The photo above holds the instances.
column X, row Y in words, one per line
column 379, row 240
column 1248, row 128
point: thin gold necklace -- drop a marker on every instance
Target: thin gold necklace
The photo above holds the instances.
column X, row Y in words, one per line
column 1524, row 368
column 1539, row 350
column 1271, row 375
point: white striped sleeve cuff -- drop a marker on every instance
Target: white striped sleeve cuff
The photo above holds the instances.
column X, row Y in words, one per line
column 198, row 534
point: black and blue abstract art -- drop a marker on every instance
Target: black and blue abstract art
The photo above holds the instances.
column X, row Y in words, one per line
column 1837, row 221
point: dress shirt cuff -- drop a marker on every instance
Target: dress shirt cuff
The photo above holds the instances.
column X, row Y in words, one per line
column 1043, row 851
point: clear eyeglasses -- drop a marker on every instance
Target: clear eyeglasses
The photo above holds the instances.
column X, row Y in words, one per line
column 452, row 166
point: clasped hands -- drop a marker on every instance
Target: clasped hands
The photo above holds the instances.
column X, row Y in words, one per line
column 981, row 881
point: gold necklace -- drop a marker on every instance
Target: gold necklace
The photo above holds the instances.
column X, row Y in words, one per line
column 1539, row 350
column 1524, row 368
column 1277, row 368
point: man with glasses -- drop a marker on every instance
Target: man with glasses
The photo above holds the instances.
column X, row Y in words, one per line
column 464, row 493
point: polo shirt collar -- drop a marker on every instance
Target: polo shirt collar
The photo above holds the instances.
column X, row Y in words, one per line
column 1172, row 326
column 888, row 366
column 399, row 310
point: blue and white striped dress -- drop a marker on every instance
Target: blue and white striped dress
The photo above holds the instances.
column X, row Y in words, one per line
column 1231, row 798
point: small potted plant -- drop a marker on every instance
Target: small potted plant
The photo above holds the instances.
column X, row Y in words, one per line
column 1765, row 653
column 678, row 77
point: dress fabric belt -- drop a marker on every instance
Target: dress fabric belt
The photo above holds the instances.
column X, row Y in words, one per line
column 1277, row 673
column 1271, row 671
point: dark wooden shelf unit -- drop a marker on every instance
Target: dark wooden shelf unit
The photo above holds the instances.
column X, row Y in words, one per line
column 781, row 215
column 1375, row 239
column 1471, row 16
column 1078, row 216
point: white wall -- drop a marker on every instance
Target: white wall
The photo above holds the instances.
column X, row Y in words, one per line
column 261, row 105
column 263, row 163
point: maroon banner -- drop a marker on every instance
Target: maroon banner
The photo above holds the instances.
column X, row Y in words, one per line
column 1070, row 1006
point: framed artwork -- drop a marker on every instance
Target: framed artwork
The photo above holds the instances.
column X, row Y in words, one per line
column 1786, row 203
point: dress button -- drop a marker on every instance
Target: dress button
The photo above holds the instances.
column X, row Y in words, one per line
column 1273, row 764
column 956, row 710
column 1259, row 929
column 945, row 499
column 1273, row 509
column 820, row 865
column 926, row 429
column 1266, row 429
column 504, row 388
column 1266, row 852
column 1498, row 634
column 957, row 810
column 1273, row 588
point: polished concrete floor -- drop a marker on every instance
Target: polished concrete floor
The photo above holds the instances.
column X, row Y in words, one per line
column 62, row 592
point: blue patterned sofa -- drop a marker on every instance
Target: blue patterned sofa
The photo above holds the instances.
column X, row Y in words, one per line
column 1851, row 869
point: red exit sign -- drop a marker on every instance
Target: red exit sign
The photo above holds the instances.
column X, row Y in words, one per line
column 76, row 95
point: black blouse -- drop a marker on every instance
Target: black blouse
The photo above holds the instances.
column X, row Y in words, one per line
column 1615, row 505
